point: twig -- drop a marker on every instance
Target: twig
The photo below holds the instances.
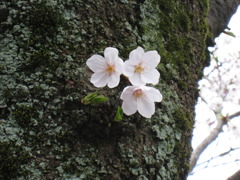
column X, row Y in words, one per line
column 220, row 155
column 208, row 140
column 222, row 164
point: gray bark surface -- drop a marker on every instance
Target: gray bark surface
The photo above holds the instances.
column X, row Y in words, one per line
column 219, row 14
column 45, row 130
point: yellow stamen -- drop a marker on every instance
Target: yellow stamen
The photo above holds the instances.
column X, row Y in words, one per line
column 138, row 93
column 138, row 68
column 110, row 69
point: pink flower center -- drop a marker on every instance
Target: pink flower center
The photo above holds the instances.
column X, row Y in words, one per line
column 139, row 68
column 110, row 69
column 138, row 93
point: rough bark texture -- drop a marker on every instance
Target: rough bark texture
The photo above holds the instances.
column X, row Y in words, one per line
column 220, row 13
column 45, row 131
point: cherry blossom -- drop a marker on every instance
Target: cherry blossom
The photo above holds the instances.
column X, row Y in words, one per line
column 141, row 99
column 107, row 69
column 141, row 67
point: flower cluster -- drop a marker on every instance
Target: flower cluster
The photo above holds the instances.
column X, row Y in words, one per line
column 140, row 69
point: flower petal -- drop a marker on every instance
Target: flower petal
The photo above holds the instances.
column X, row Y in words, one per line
column 136, row 55
column 150, row 76
column 128, row 68
column 146, row 107
column 136, row 80
column 154, row 94
column 119, row 65
column 96, row 63
column 127, row 92
column 99, row 79
column 129, row 107
column 151, row 59
column 113, row 80
column 111, row 55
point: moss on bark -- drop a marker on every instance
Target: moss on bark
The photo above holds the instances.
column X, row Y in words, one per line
column 44, row 47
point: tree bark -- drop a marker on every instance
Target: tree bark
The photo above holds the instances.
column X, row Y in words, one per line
column 219, row 15
column 235, row 176
column 47, row 133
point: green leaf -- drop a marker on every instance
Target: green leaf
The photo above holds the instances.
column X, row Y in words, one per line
column 94, row 98
column 119, row 114
column 216, row 59
column 229, row 33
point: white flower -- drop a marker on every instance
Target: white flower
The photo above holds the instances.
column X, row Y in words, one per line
column 141, row 67
column 141, row 99
column 107, row 69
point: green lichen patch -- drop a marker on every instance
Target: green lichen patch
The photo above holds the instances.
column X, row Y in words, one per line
column 43, row 55
column 41, row 58
column 183, row 122
column 44, row 20
column 12, row 157
column 181, row 155
column 24, row 114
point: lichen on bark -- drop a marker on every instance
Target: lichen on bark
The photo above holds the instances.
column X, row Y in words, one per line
column 43, row 51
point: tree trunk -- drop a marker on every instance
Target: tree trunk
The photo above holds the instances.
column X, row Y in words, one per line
column 220, row 13
column 235, row 176
column 45, row 130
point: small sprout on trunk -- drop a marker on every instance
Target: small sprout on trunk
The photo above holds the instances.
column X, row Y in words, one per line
column 94, row 98
column 119, row 114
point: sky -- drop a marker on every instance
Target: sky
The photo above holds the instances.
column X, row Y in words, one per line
column 226, row 46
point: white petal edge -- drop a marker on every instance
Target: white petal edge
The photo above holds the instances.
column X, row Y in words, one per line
column 128, row 68
column 151, row 59
column 129, row 107
column 136, row 80
column 99, row 79
column 96, row 63
column 154, row 94
column 113, row 80
column 127, row 92
column 146, row 108
column 136, row 55
column 111, row 55
column 119, row 66
column 151, row 76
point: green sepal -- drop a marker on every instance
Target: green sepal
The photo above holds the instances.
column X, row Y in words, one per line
column 94, row 98
column 119, row 114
